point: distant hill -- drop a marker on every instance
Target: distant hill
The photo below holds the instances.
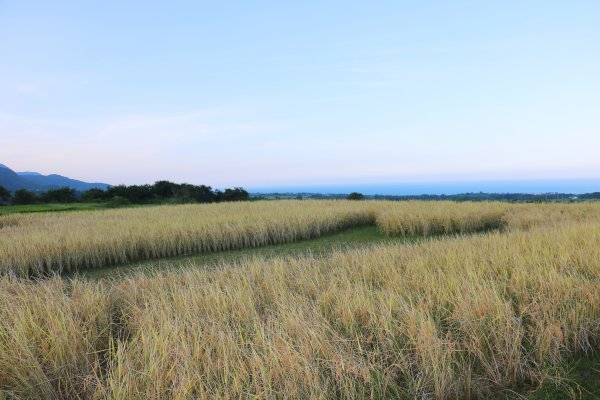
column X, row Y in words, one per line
column 55, row 181
column 29, row 173
column 12, row 180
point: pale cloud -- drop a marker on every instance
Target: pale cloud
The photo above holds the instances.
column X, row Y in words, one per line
column 224, row 147
column 132, row 148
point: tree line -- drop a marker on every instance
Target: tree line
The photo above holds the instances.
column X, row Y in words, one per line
column 159, row 192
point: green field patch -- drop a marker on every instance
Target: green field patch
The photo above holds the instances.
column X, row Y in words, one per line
column 42, row 208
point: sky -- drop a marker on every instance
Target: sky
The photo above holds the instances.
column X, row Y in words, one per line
column 257, row 94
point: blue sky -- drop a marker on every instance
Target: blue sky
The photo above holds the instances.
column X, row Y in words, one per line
column 297, row 93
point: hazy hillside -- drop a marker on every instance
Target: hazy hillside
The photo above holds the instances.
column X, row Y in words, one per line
column 35, row 181
column 28, row 173
column 58, row 181
column 12, row 181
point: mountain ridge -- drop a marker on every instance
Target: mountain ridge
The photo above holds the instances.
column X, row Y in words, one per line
column 35, row 181
column 27, row 173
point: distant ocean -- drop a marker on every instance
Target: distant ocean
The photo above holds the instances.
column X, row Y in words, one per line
column 575, row 186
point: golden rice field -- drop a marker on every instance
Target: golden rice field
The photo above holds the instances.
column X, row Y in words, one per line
column 34, row 244
column 426, row 219
column 465, row 316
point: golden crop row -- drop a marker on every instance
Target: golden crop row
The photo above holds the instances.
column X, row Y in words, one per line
column 457, row 318
column 34, row 244
column 436, row 218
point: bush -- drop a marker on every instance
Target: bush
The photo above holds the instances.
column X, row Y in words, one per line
column 355, row 196
column 94, row 195
column 118, row 201
column 64, row 195
column 235, row 194
column 4, row 196
column 24, row 196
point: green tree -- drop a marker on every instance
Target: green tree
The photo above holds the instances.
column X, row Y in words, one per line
column 164, row 189
column 4, row 195
column 94, row 195
column 64, row 195
column 235, row 194
column 24, row 196
column 355, row 196
column 135, row 193
column 118, row 201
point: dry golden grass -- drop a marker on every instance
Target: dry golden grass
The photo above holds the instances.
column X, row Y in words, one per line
column 456, row 318
column 525, row 216
column 36, row 244
column 33, row 244
column 50, row 337
column 419, row 218
column 444, row 319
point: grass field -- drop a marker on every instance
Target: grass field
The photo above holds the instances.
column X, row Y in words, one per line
column 35, row 244
column 354, row 311
column 351, row 238
column 38, row 244
column 42, row 208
